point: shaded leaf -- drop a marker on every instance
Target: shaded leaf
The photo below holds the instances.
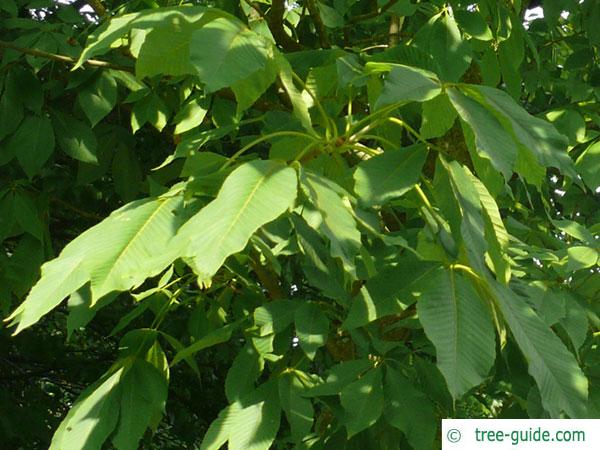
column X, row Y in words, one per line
column 312, row 328
column 562, row 384
column 363, row 402
column 459, row 324
column 389, row 175
column 32, row 144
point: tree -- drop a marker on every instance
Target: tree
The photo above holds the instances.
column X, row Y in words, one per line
column 316, row 225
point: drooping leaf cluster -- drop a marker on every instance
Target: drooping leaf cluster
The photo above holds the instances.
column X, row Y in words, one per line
column 320, row 225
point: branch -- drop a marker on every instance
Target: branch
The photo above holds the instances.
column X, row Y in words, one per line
column 275, row 22
column 395, row 28
column 313, row 9
column 266, row 277
column 63, row 58
column 256, row 8
column 81, row 212
column 96, row 5
column 372, row 14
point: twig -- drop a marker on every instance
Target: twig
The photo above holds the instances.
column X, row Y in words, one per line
column 255, row 7
column 313, row 10
column 372, row 14
column 275, row 22
column 63, row 58
column 266, row 277
column 98, row 7
column 75, row 209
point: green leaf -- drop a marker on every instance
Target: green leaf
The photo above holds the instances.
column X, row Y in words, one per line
column 191, row 114
column 588, row 165
column 127, row 173
column 576, row 321
column 251, row 425
column 389, row 292
column 495, row 233
column 99, row 98
column 11, row 111
column 438, row 117
column 275, row 316
column 474, row 24
column 75, row 138
column 151, row 109
column 298, row 410
column 362, row 401
column 330, row 17
column 581, row 257
column 248, row 90
column 490, row 69
column 312, row 328
column 81, row 311
column 218, row 336
column 143, row 397
column 101, row 40
column 166, row 51
column 407, row 84
column 60, row 278
column 389, row 175
column 472, row 224
column 26, row 213
column 409, row 410
column 449, row 50
column 459, row 324
column 32, row 144
column 568, row 122
column 334, row 218
column 492, row 141
column 286, row 75
column 92, row 418
column 241, row 377
column 535, row 135
column 115, row 255
column 562, row 384
column 28, row 86
column 340, row 376
column 254, row 194
column 223, row 52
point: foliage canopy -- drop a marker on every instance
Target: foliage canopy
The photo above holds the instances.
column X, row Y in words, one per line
column 313, row 225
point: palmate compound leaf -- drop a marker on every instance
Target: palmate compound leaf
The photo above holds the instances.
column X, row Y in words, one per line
column 459, row 324
column 254, row 194
column 562, row 384
column 119, row 253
